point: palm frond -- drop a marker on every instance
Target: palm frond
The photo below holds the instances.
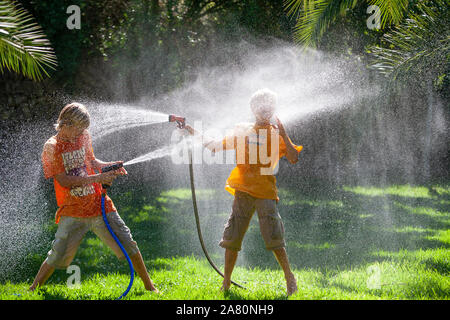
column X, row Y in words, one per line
column 392, row 11
column 24, row 47
column 417, row 47
column 316, row 17
column 293, row 7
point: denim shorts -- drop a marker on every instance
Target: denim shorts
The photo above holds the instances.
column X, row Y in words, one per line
column 71, row 231
column 270, row 223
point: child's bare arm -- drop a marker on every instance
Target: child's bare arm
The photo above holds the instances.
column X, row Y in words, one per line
column 68, row 181
column 98, row 164
column 291, row 152
column 210, row 144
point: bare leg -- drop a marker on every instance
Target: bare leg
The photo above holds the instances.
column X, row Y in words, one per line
column 230, row 261
column 283, row 261
column 45, row 271
column 141, row 270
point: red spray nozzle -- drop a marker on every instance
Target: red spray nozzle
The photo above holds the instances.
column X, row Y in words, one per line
column 181, row 121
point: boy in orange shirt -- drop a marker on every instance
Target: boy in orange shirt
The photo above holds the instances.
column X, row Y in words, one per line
column 259, row 147
column 69, row 159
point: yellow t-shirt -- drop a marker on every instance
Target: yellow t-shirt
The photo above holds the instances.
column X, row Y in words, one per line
column 256, row 159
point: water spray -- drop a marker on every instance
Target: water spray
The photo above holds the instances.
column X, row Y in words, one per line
column 197, row 221
column 181, row 123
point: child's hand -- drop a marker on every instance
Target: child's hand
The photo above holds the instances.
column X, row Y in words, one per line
column 189, row 129
column 280, row 127
column 121, row 171
column 107, row 177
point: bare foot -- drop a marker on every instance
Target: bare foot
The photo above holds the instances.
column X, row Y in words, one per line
column 152, row 288
column 225, row 286
column 291, row 285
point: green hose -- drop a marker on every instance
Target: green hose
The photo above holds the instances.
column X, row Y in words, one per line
column 197, row 220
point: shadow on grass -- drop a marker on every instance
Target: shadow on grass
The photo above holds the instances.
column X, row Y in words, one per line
column 51, row 294
column 325, row 228
column 343, row 227
column 240, row 294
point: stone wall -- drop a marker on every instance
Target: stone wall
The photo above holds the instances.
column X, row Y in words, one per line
column 25, row 100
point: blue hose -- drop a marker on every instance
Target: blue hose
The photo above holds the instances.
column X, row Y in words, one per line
column 121, row 248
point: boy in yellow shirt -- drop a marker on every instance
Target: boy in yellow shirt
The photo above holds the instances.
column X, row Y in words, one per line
column 259, row 146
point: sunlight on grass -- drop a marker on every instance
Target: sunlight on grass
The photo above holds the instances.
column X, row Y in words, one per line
column 341, row 247
column 410, row 229
column 441, row 190
column 185, row 193
column 93, row 246
column 397, row 190
column 181, row 278
column 418, row 257
column 150, row 214
column 430, row 234
column 310, row 246
column 422, row 210
column 442, row 236
column 288, row 198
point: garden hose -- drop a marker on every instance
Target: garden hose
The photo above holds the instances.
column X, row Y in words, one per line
column 105, row 169
column 197, row 220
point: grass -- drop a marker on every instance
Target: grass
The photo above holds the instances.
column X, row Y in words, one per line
column 348, row 243
column 405, row 275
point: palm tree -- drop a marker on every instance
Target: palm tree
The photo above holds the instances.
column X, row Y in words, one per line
column 420, row 45
column 416, row 44
column 314, row 17
column 24, row 48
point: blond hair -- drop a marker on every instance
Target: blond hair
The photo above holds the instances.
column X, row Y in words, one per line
column 263, row 101
column 73, row 114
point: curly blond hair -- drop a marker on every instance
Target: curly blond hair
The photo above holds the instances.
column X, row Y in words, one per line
column 73, row 114
column 263, row 103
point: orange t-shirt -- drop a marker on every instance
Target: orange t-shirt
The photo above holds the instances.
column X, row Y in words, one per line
column 74, row 158
column 256, row 158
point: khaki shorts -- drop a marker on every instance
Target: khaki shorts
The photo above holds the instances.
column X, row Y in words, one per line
column 71, row 231
column 271, row 226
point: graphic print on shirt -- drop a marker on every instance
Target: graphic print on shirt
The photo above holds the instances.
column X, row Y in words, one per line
column 258, row 146
column 74, row 164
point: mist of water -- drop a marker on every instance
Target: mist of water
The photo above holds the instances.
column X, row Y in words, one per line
column 24, row 202
column 159, row 153
column 308, row 85
column 109, row 118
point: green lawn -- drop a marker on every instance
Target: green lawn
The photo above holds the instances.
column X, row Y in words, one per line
column 352, row 242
